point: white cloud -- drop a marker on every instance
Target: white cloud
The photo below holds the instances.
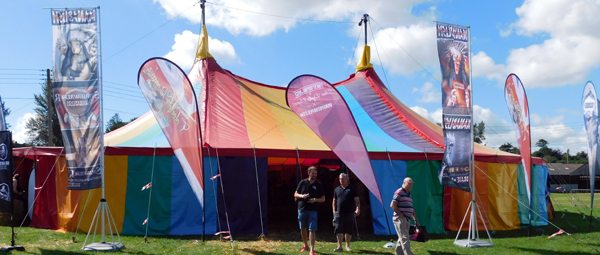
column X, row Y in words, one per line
column 556, row 62
column 557, row 133
column 20, row 131
column 435, row 116
column 428, row 94
column 263, row 17
column 558, row 18
column 405, row 49
column 572, row 49
column 183, row 51
column 484, row 66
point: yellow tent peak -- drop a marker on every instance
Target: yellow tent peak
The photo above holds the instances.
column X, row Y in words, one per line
column 365, row 59
column 202, row 52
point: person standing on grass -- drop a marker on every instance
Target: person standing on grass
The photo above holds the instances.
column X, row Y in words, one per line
column 346, row 206
column 308, row 194
column 402, row 204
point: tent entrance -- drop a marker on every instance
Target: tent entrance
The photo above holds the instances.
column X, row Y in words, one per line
column 282, row 209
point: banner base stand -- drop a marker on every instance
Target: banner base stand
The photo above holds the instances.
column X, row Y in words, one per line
column 115, row 246
column 103, row 217
column 472, row 243
column 10, row 248
column 473, row 240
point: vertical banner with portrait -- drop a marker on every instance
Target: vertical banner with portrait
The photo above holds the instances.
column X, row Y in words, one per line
column 590, row 118
column 6, row 171
column 455, row 62
column 173, row 102
column 518, row 108
column 325, row 111
column 76, row 93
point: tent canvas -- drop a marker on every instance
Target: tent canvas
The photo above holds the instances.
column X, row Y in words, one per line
column 241, row 116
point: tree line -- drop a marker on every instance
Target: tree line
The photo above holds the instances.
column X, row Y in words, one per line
column 550, row 155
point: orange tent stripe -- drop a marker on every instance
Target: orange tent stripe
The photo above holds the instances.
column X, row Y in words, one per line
column 71, row 203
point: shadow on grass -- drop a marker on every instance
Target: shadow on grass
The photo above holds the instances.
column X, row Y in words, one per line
column 363, row 251
column 572, row 222
column 252, row 251
column 441, row 253
column 59, row 252
column 554, row 252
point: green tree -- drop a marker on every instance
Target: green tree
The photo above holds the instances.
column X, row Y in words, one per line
column 114, row 122
column 508, row 147
column 37, row 127
column 548, row 154
column 6, row 112
column 541, row 143
column 479, row 132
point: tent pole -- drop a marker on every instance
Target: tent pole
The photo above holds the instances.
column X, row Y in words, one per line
column 387, row 221
column 213, row 177
column 223, row 194
column 364, row 20
column 298, row 168
column 147, row 221
column 262, row 228
column 202, row 6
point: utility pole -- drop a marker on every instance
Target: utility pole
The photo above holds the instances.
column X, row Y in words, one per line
column 50, row 106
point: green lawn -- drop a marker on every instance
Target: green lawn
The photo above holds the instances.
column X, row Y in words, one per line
column 571, row 215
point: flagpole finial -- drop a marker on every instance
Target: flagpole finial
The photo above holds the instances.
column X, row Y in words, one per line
column 203, row 5
column 364, row 20
column 365, row 59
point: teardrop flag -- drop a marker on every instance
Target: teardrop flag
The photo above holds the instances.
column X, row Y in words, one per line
column 590, row 118
column 172, row 100
column 518, row 108
column 324, row 110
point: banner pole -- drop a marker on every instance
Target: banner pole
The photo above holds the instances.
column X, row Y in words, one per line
column 473, row 234
column 472, row 143
column 101, row 125
column 105, row 215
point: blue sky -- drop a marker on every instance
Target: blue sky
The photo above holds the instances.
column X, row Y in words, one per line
column 553, row 46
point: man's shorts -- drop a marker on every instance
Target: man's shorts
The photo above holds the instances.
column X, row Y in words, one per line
column 307, row 219
column 343, row 223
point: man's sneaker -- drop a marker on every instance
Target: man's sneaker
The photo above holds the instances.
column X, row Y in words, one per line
column 313, row 253
column 348, row 249
column 338, row 249
column 304, row 248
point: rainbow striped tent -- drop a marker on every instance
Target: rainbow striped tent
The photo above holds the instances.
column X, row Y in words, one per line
column 251, row 135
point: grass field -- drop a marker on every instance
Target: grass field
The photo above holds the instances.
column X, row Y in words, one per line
column 571, row 215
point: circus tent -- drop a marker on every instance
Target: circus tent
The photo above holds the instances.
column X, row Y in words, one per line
column 249, row 133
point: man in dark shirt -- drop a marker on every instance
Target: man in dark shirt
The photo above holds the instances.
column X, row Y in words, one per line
column 308, row 193
column 346, row 206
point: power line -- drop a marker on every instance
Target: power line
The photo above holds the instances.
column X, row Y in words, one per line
column 23, row 74
column 123, row 86
column 22, row 69
column 22, row 78
column 17, row 98
column 121, row 111
column 117, row 96
column 20, row 83
column 406, row 52
column 145, row 35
